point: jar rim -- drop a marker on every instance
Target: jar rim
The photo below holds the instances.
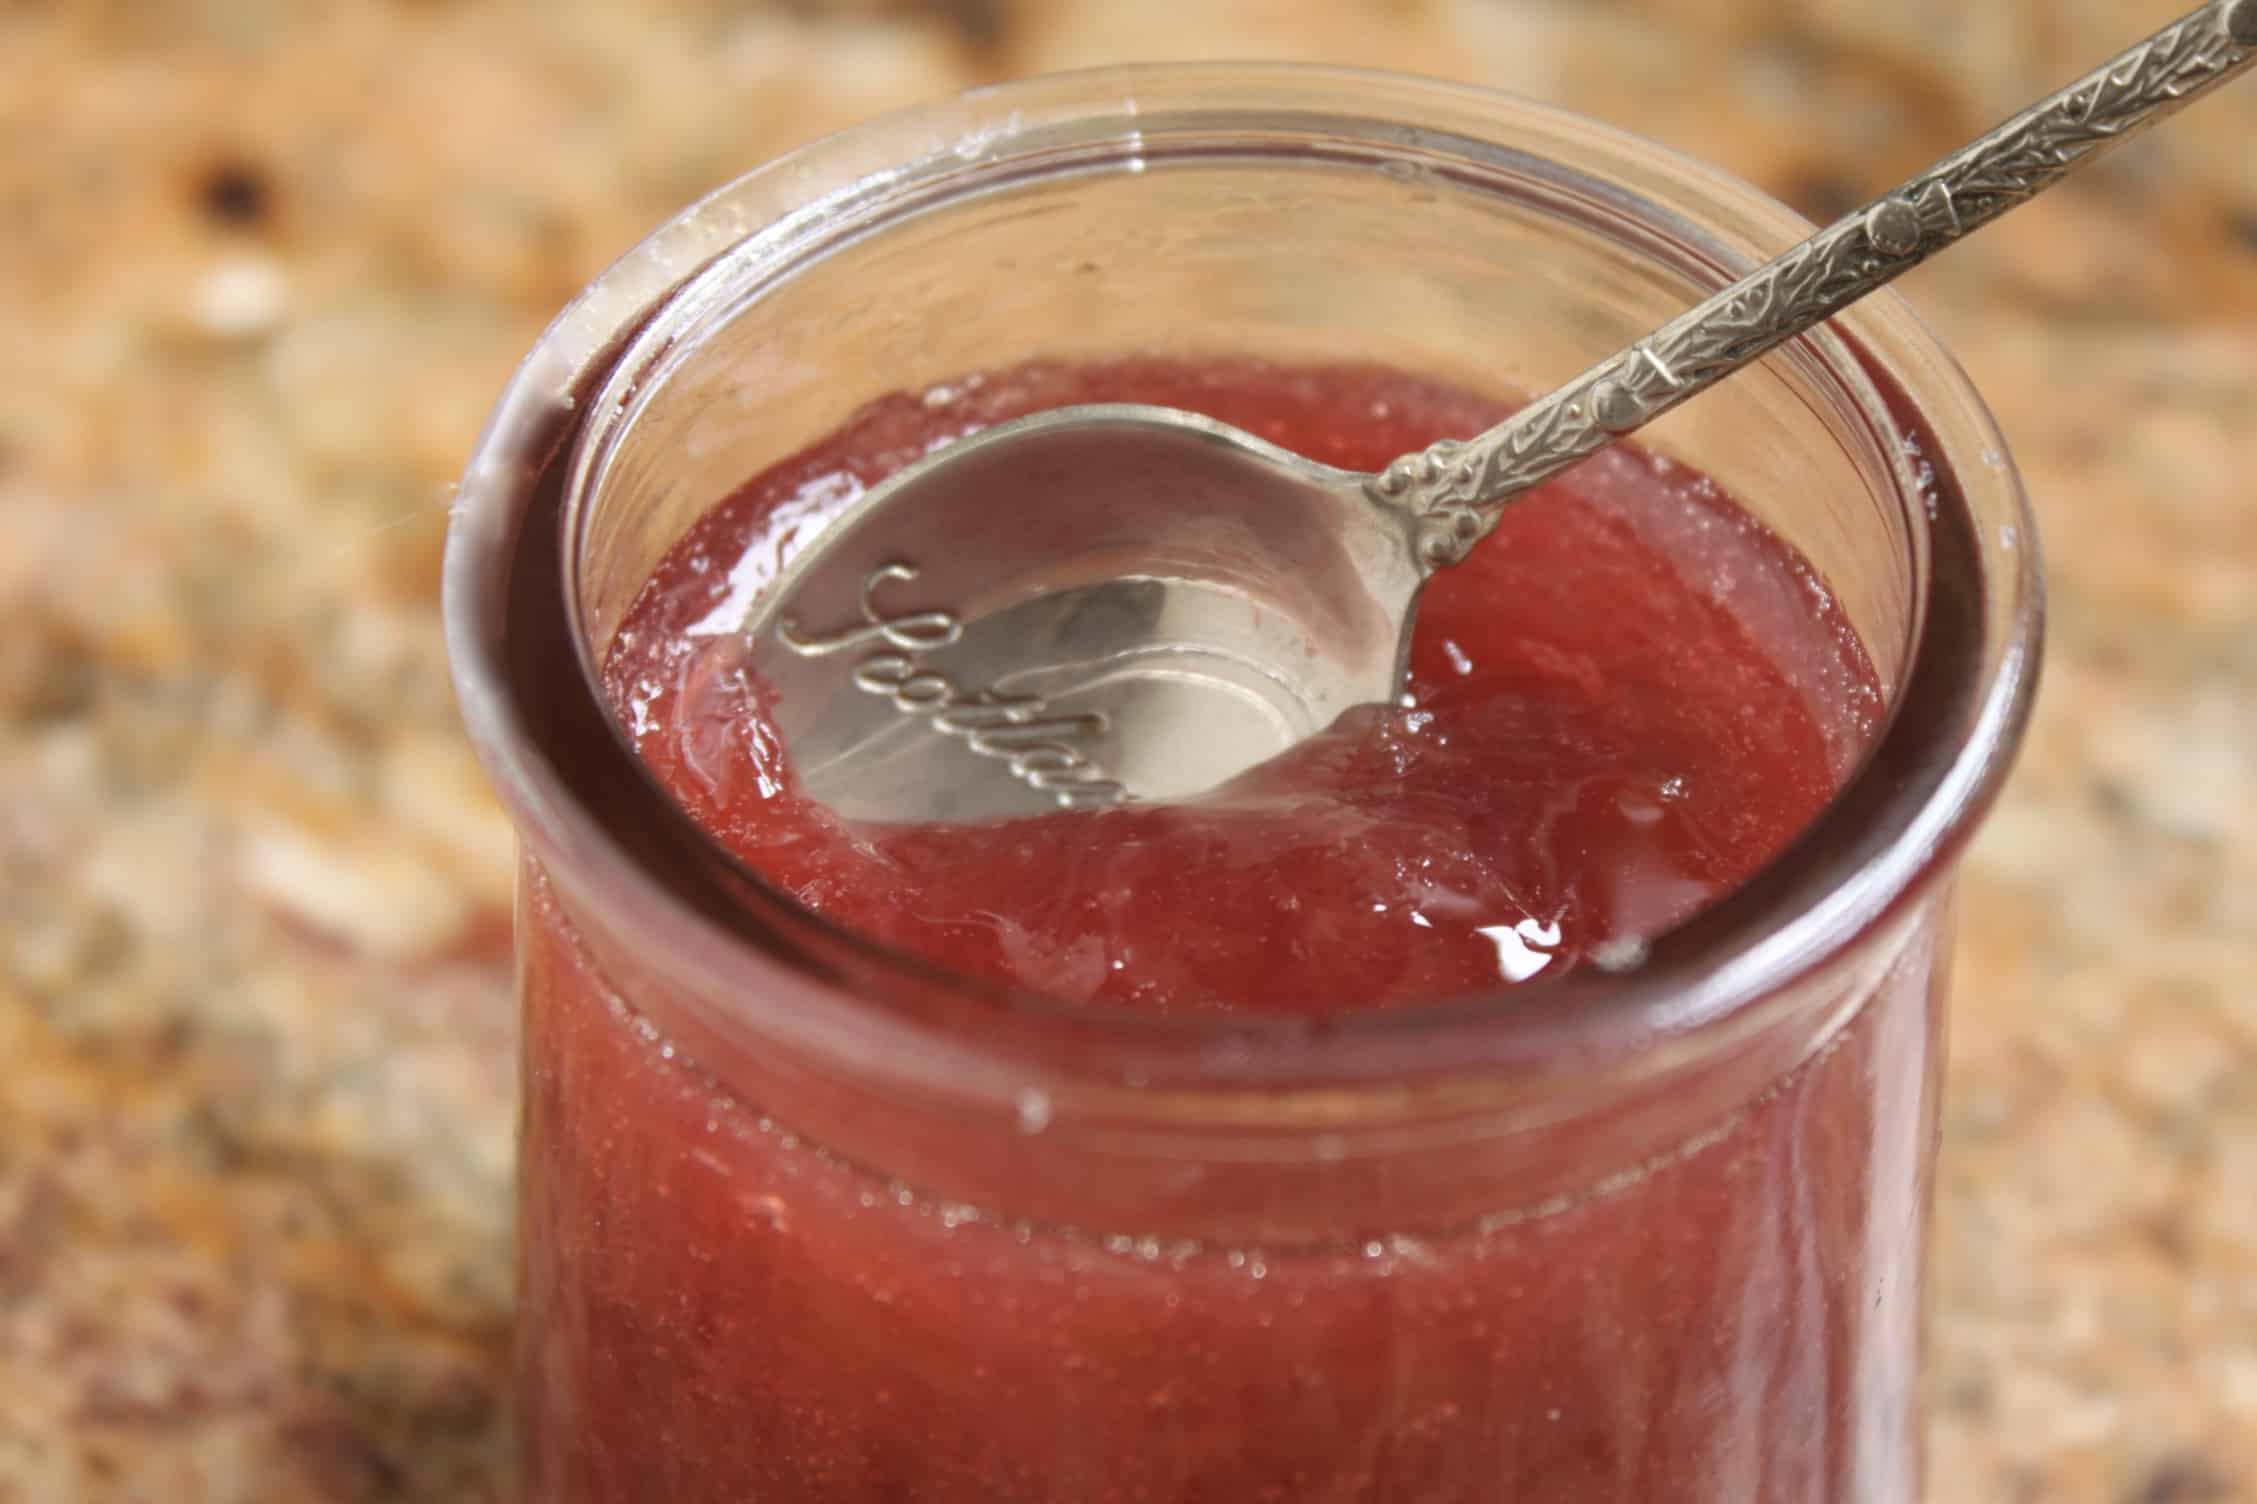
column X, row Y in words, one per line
column 1897, row 823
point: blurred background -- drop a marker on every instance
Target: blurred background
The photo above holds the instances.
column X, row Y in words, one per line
column 265, row 263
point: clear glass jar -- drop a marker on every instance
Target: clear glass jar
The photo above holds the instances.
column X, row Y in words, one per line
column 802, row 1220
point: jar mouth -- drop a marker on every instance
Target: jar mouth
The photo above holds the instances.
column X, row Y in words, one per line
column 1963, row 696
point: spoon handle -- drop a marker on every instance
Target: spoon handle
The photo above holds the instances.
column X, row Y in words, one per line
column 1457, row 489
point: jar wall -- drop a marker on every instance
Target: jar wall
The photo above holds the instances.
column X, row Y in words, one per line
column 718, row 1307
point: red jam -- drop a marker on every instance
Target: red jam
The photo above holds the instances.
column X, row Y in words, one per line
column 1627, row 700
column 1619, row 706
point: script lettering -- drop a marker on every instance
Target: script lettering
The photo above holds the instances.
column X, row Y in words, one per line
column 1020, row 731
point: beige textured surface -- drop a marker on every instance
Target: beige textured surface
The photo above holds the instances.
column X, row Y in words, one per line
column 264, row 264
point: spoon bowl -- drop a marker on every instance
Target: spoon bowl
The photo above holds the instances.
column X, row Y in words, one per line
column 1078, row 605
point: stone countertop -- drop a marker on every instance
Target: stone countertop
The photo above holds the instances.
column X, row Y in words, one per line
column 263, row 267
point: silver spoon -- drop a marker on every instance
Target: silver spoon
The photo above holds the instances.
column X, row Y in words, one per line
column 1113, row 601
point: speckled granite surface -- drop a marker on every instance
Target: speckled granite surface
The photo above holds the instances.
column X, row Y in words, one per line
column 264, row 264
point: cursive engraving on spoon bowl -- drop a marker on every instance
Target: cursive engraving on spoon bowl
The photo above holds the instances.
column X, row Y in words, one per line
column 1020, row 731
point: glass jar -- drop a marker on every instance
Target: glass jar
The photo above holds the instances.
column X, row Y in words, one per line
column 804, row 1220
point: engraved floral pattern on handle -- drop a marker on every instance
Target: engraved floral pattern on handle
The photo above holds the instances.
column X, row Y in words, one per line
column 1456, row 489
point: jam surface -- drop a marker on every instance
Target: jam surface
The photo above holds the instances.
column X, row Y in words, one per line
column 1626, row 700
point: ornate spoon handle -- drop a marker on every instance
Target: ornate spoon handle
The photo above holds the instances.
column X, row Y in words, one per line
column 1457, row 489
